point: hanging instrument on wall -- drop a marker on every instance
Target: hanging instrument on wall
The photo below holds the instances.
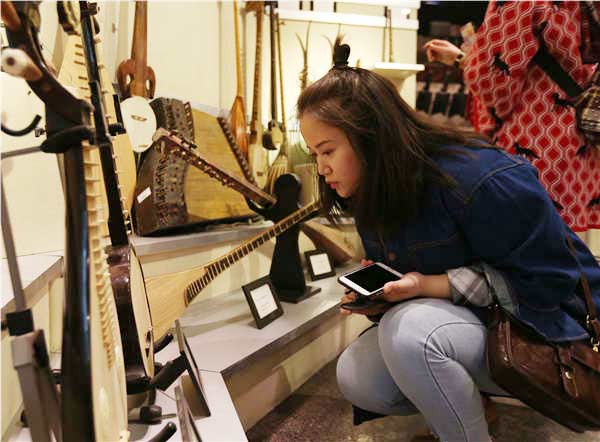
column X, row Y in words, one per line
column 273, row 136
column 137, row 83
column 171, row 197
column 281, row 164
column 237, row 114
column 257, row 155
column 170, row 294
column 93, row 397
column 126, row 274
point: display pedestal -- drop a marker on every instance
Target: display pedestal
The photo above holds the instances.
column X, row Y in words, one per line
column 294, row 296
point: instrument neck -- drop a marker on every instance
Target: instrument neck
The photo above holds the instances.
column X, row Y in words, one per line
column 116, row 218
column 273, row 61
column 256, row 98
column 140, row 39
column 214, row 269
column 238, row 63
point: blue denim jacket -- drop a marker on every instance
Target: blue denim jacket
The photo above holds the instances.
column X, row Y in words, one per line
column 499, row 214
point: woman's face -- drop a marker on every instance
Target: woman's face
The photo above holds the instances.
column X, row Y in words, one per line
column 336, row 160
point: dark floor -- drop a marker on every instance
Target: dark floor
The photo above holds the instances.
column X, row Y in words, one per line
column 318, row 412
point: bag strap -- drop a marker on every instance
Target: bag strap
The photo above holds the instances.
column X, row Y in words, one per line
column 592, row 317
column 554, row 70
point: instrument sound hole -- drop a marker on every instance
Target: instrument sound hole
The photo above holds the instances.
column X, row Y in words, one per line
column 148, row 342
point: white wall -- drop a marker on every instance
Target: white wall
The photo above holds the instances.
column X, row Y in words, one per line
column 191, row 49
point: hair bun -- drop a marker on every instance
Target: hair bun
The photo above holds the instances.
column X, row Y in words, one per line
column 341, row 53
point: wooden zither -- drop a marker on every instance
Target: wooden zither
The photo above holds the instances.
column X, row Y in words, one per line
column 170, row 196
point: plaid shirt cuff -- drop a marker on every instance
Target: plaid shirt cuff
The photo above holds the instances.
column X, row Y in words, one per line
column 469, row 285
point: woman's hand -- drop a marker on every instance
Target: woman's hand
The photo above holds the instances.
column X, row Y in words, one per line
column 442, row 51
column 409, row 286
column 350, row 296
column 373, row 310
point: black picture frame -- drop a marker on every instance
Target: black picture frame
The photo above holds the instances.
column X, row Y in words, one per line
column 200, row 405
column 263, row 301
column 316, row 258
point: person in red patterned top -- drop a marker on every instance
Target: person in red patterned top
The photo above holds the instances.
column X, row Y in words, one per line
column 522, row 108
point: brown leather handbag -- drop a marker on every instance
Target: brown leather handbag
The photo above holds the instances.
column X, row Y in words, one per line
column 560, row 380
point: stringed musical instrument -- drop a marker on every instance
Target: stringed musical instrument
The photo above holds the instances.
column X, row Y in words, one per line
column 170, row 196
column 237, row 115
column 170, row 294
column 73, row 73
column 281, row 164
column 258, row 157
column 273, row 136
column 137, row 84
column 126, row 273
column 93, row 396
column 134, row 76
column 323, row 237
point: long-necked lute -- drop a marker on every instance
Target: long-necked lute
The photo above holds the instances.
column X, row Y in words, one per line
column 125, row 270
column 170, row 294
column 93, row 397
column 137, row 84
column 237, row 114
column 257, row 154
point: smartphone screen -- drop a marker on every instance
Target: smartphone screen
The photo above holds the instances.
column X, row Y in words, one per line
column 372, row 278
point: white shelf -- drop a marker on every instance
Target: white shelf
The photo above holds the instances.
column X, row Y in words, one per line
column 397, row 71
column 346, row 19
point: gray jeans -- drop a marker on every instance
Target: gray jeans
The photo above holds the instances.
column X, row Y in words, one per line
column 427, row 356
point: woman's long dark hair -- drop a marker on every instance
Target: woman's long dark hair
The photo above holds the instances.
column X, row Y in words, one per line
column 393, row 143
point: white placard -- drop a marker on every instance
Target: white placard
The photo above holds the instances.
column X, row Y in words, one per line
column 144, row 194
column 263, row 300
column 320, row 264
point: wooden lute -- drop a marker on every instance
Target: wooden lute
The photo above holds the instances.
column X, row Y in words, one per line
column 257, row 155
column 134, row 75
column 170, row 294
column 93, row 397
column 125, row 270
column 137, row 84
column 273, row 136
column 237, row 114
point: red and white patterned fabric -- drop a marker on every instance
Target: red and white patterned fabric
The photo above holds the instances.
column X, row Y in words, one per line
column 524, row 110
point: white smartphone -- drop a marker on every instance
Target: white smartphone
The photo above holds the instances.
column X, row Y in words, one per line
column 369, row 280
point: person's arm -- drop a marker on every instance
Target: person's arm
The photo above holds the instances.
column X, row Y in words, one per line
column 511, row 224
column 497, row 64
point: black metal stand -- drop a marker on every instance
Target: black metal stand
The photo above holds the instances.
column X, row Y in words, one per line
column 29, row 353
column 286, row 270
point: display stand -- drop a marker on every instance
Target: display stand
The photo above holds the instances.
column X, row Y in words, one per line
column 29, row 352
column 174, row 368
column 286, row 271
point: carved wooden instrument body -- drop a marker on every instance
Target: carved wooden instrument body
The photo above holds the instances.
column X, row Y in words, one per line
column 93, row 397
column 257, row 154
column 170, row 294
column 125, row 270
column 170, row 196
column 134, row 75
column 325, row 237
column 137, row 84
